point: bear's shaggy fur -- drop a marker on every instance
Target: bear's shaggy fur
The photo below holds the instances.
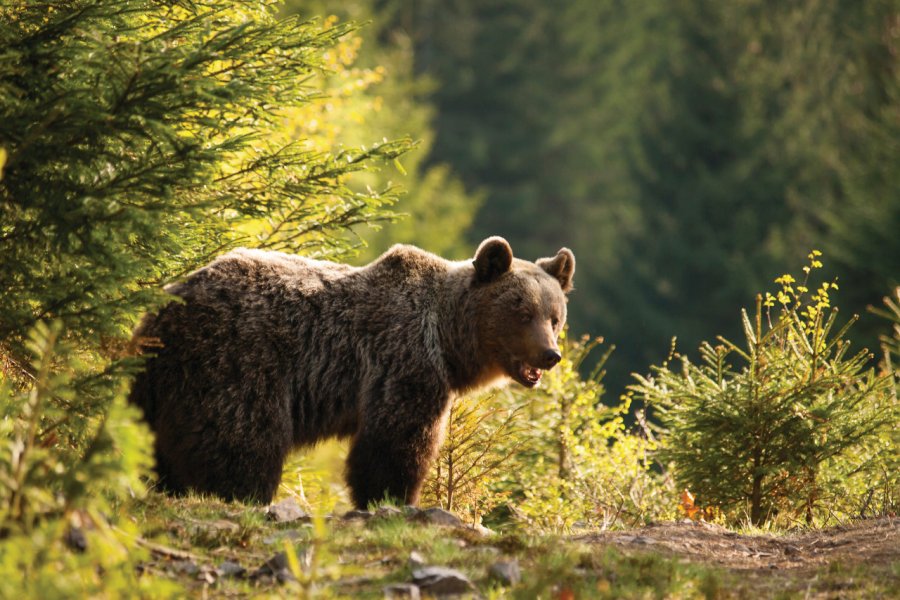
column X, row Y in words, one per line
column 266, row 352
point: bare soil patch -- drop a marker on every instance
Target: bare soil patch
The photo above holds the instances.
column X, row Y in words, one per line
column 875, row 541
column 836, row 562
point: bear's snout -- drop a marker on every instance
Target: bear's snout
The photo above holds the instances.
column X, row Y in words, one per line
column 550, row 358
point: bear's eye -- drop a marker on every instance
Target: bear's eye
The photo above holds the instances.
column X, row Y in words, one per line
column 554, row 322
column 525, row 316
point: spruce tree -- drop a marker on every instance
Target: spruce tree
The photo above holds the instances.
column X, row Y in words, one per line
column 788, row 423
column 140, row 139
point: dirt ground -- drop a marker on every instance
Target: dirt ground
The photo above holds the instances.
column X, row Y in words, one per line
column 822, row 563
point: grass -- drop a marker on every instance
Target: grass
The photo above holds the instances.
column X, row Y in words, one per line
column 358, row 559
column 332, row 558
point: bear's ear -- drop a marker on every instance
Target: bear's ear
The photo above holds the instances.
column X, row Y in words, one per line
column 492, row 259
column 561, row 266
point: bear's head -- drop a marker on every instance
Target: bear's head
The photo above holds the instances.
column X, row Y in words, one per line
column 520, row 309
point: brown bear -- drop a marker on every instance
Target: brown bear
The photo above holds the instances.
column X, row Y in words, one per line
column 265, row 352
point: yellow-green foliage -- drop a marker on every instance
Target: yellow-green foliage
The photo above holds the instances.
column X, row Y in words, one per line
column 580, row 464
column 789, row 424
column 556, row 455
column 50, row 492
column 139, row 140
column 43, row 478
column 41, row 565
column 481, row 439
column 887, row 498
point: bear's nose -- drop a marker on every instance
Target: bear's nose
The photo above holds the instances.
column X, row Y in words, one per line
column 551, row 358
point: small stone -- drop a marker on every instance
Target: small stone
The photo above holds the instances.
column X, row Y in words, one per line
column 438, row 581
column 357, row 515
column 185, row 567
column 416, row 560
column 388, row 512
column 642, row 540
column 439, row 516
column 481, row 530
column 506, row 572
column 75, row 539
column 276, row 567
column 276, row 562
column 286, row 511
column 402, row 590
column 225, row 525
column 230, row 569
column 284, row 576
column 208, row 528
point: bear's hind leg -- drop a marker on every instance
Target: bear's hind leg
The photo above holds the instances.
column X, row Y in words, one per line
column 206, row 463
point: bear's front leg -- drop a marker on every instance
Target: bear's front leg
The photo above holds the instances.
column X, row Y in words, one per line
column 392, row 460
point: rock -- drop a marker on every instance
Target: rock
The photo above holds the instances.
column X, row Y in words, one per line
column 506, row 572
column 439, row 581
column 416, row 560
column 480, row 530
column 402, row 590
column 230, row 569
column 276, row 567
column 217, row 527
column 410, row 511
column 75, row 539
column 184, row 567
column 284, row 576
column 357, row 515
column 388, row 512
column 286, row 511
column 639, row 539
column 439, row 516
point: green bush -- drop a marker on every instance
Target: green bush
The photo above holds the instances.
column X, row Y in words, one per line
column 556, row 455
column 790, row 424
column 883, row 495
column 42, row 478
column 138, row 139
column 482, row 437
column 580, row 464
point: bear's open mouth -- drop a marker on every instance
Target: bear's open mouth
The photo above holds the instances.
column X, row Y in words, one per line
column 529, row 376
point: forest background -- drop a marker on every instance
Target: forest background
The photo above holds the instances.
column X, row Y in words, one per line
column 688, row 152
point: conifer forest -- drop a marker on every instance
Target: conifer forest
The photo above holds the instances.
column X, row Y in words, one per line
column 724, row 421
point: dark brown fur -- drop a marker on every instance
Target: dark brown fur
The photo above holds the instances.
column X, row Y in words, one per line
column 267, row 352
